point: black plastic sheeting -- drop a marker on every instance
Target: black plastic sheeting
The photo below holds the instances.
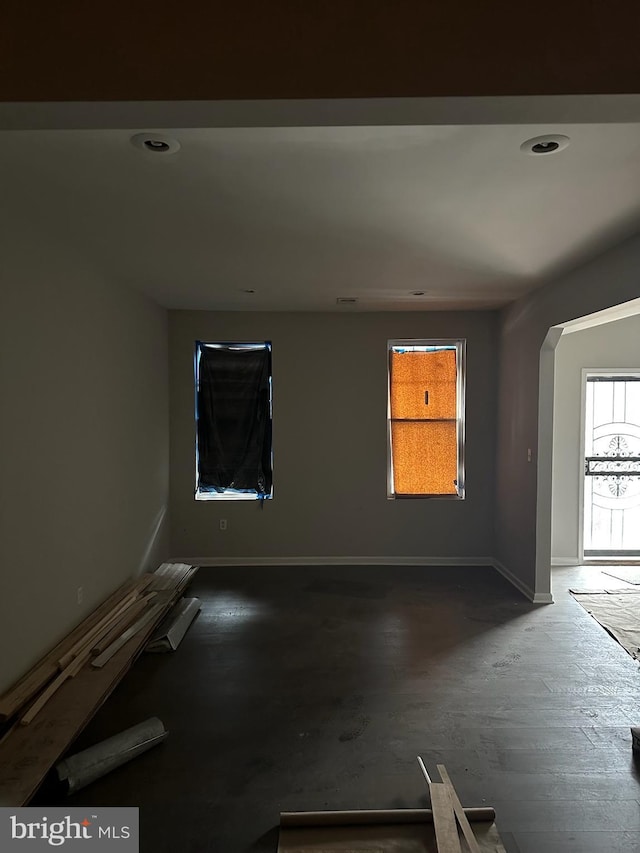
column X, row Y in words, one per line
column 234, row 420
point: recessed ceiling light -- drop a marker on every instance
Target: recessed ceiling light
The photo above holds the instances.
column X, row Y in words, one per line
column 550, row 143
column 155, row 143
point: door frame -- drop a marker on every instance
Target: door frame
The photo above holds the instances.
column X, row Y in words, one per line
column 591, row 371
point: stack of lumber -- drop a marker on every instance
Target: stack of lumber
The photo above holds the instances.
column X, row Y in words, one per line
column 60, row 694
column 448, row 814
column 171, row 575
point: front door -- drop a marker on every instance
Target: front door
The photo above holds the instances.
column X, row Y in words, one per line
column 612, row 466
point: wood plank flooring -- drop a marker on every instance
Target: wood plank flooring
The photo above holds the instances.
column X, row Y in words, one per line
column 312, row 688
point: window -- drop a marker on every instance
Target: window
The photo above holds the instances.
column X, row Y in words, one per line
column 234, row 459
column 426, row 418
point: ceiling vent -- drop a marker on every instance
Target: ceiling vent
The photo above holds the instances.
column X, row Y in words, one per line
column 346, row 300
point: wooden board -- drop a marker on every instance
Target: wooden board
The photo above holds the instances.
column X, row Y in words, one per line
column 151, row 617
column 70, row 671
column 99, row 628
column 27, row 752
column 461, row 817
column 394, row 837
column 124, row 621
column 444, row 819
column 47, row 668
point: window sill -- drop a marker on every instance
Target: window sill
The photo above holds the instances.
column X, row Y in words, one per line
column 229, row 496
column 426, row 497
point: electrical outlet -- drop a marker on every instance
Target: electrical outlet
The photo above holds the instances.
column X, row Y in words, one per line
column 79, row 595
column 529, row 454
column 223, row 524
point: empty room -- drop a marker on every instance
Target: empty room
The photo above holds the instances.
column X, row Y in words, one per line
column 320, row 370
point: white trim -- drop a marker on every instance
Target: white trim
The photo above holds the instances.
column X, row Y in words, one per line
column 582, row 438
column 542, row 598
column 598, row 318
column 544, row 461
column 490, row 562
column 586, row 372
column 565, row 561
column 546, row 392
column 525, row 589
column 337, row 561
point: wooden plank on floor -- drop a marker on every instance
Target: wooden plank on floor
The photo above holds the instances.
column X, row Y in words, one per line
column 461, row 817
column 27, row 752
column 47, row 668
column 124, row 621
column 70, row 671
column 151, row 617
column 444, row 819
column 98, row 629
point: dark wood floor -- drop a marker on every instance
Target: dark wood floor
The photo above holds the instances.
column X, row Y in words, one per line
column 315, row 688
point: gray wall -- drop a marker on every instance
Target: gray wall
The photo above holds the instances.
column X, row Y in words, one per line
column 330, row 399
column 610, row 279
column 84, row 444
column 611, row 345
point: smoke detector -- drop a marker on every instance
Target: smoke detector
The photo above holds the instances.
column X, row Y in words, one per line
column 550, row 143
column 155, row 143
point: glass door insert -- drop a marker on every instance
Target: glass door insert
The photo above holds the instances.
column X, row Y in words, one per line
column 612, row 466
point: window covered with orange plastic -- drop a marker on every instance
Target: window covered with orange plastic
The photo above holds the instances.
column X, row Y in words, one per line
column 424, row 388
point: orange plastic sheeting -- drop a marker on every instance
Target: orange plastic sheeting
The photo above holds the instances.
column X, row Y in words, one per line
column 425, row 457
column 413, row 373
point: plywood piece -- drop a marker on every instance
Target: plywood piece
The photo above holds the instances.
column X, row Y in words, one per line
column 413, row 374
column 444, row 819
column 425, row 457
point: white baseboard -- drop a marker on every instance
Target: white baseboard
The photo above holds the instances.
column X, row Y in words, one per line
column 535, row 597
column 542, row 598
column 525, row 589
column 565, row 561
column 335, row 561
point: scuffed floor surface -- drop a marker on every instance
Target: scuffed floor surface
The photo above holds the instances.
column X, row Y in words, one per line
column 312, row 688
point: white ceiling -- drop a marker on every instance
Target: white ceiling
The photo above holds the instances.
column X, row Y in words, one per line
column 303, row 215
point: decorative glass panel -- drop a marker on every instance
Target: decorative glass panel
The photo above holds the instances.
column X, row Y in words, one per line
column 612, row 466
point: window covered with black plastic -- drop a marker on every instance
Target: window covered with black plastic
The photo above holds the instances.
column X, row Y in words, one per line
column 233, row 414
